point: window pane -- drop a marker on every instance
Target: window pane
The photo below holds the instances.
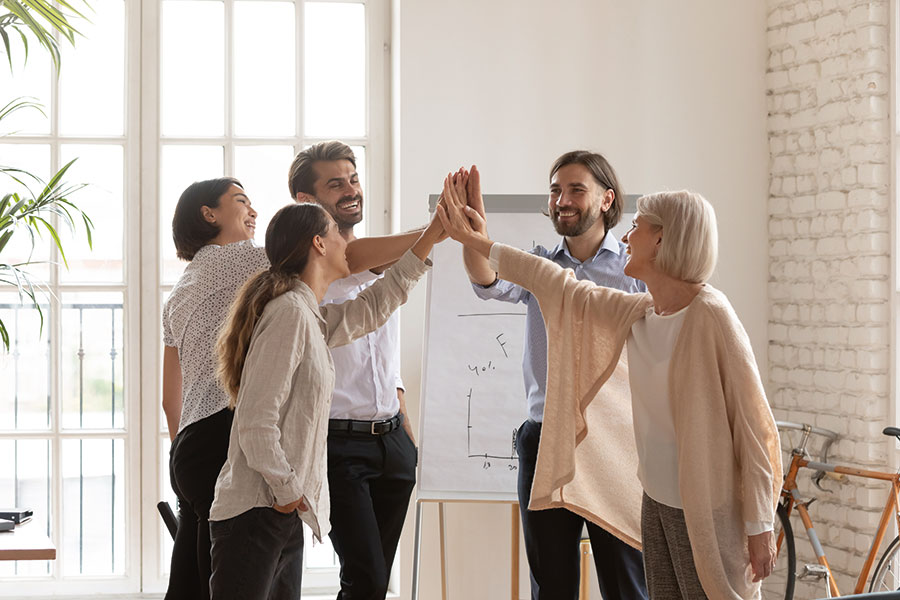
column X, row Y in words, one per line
column 92, row 361
column 335, row 86
column 25, row 483
column 93, row 534
column 264, row 68
column 32, row 80
column 25, row 369
column 100, row 167
column 34, row 158
column 181, row 166
column 192, row 82
column 264, row 172
column 319, row 556
column 92, row 77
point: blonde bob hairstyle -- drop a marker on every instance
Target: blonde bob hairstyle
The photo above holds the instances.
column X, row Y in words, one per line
column 690, row 241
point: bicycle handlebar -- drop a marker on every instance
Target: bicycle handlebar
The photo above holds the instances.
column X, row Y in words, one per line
column 832, row 435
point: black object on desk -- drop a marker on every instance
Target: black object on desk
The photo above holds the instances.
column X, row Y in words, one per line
column 16, row 515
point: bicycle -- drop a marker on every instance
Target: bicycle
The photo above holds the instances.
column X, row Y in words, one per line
column 783, row 579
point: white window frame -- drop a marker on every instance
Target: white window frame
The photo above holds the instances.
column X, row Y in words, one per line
column 130, row 582
column 144, row 570
column 377, row 148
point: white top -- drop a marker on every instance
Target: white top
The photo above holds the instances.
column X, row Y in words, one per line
column 277, row 450
column 193, row 315
column 650, row 347
column 649, row 353
column 367, row 371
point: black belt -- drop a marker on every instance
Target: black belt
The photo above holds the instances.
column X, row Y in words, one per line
column 370, row 427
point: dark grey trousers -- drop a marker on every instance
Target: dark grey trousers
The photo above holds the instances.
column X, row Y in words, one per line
column 257, row 555
column 668, row 559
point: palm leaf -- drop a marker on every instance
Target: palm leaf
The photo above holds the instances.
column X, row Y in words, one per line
column 44, row 37
column 55, row 236
column 4, row 336
column 5, row 37
column 20, row 103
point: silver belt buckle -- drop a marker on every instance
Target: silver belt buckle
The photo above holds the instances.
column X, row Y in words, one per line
column 372, row 428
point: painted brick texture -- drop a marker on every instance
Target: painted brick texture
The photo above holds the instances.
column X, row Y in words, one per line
column 827, row 86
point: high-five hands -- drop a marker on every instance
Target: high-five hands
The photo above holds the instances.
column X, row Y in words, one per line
column 464, row 223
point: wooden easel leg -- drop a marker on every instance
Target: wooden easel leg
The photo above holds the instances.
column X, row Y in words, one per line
column 514, row 553
column 417, row 553
column 443, row 553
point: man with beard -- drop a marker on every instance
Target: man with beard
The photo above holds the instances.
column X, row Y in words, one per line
column 585, row 202
column 371, row 449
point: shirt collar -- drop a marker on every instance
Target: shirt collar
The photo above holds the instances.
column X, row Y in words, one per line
column 609, row 243
column 309, row 299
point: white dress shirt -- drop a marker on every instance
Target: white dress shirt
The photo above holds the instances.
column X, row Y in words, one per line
column 367, row 371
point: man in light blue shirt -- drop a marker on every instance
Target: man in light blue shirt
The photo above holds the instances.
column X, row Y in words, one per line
column 585, row 202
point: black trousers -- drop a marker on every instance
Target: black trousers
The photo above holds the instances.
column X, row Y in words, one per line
column 552, row 541
column 371, row 478
column 257, row 555
column 195, row 459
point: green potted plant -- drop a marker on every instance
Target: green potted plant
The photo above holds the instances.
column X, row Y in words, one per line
column 31, row 211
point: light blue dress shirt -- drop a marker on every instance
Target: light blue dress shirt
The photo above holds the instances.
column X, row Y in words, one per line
column 605, row 268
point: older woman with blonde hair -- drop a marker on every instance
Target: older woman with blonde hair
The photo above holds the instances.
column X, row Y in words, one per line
column 708, row 451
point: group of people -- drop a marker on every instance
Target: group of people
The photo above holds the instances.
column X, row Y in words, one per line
column 284, row 401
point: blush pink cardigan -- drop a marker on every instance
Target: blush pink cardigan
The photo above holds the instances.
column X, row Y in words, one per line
column 729, row 457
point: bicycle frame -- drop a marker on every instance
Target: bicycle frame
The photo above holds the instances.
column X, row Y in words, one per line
column 791, row 499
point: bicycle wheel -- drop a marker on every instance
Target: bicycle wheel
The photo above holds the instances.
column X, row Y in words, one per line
column 780, row 584
column 887, row 573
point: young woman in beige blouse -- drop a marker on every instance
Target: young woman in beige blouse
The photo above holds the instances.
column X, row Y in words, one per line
column 213, row 229
column 708, row 452
column 275, row 364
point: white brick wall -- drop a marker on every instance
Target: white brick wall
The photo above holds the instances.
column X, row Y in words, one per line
column 829, row 243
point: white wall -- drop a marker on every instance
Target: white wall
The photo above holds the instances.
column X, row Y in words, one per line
column 672, row 93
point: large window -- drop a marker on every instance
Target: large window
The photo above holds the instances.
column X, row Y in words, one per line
column 155, row 96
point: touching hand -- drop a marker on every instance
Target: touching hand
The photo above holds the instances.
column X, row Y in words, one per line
column 762, row 554
column 289, row 508
column 454, row 212
column 473, row 193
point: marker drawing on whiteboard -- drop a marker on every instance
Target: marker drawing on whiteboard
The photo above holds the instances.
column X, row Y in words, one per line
column 513, row 455
column 502, row 345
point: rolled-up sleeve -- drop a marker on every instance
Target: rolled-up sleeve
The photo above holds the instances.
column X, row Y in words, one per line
column 373, row 306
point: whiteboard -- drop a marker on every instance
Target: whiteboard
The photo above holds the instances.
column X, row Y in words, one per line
column 473, row 395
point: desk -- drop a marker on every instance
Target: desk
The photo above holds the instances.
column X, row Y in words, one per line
column 26, row 542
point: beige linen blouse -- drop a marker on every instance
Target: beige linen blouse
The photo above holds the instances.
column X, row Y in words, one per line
column 277, row 450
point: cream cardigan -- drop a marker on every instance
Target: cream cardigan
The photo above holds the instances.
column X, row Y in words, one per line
column 729, row 457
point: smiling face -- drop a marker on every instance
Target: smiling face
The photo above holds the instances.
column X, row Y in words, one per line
column 338, row 190
column 234, row 217
column 577, row 201
column 642, row 243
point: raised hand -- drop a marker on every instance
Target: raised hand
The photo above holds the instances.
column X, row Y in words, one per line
column 461, row 221
column 473, row 192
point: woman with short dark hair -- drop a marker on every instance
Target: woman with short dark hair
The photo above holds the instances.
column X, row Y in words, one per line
column 213, row 229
